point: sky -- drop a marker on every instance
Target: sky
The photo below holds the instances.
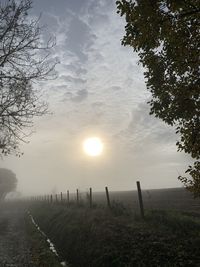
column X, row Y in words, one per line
column 99, row 91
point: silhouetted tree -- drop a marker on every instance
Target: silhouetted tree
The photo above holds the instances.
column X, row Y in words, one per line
column 24, row 59
column 8, row 182
column 166, row 36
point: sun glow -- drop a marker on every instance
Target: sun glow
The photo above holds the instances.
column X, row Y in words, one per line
column 93, row 146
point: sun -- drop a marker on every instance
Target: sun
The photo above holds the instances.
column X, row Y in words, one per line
column 93, row 146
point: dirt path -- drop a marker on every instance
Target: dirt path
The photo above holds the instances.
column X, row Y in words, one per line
column 14, row 246
column 21, row 244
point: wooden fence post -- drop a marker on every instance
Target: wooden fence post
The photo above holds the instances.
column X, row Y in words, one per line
column 56, row 198
column 140, row 199
column 67, row 196
column 61, row 197
column 51, row 199
column 108, row 197
column 77, row 196
column 90, row 197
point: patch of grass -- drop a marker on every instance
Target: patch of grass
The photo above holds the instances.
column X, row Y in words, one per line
column 179, row 222
column 100, row 237
column 3, row 226
column 40, row 252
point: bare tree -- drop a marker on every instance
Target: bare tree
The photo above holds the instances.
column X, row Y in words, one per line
column 24, row 59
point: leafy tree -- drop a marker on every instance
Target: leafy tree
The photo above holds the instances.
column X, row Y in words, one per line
column 8, row 182
column 24, row 59
column 165, row 33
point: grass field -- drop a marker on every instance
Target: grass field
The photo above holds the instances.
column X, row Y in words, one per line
column 41, row 255
column 172, row 198
column 169, row 236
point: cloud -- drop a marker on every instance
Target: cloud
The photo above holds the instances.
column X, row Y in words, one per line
column 149, row 127
column 60, row 8
column 71, row 79
column 80, row 96
column 75, row 68
column 115, row 88
column 145, row 133
column 98, row 104
column 79, row 38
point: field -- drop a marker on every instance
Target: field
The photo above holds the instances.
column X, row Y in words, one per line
column 172, row 198
column 118, row 237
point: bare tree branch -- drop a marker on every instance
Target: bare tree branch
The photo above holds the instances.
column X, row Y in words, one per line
column 24, row 59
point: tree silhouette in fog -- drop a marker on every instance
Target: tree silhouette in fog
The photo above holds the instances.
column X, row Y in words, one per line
column 166, row 36
column 24, row 59
column 8, row 182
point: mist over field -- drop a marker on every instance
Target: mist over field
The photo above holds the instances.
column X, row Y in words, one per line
column 99, row 91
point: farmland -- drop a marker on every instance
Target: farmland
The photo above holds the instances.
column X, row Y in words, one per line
column 172, row 198
column 98, row 236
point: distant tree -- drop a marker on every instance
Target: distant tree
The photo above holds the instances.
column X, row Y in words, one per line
column 24, row 59
column 165, row 33
column 8, row 182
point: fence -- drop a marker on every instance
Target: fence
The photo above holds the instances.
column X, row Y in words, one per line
column 174, row 198
column 65, row 198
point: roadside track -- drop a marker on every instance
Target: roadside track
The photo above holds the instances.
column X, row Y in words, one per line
column 14, row 246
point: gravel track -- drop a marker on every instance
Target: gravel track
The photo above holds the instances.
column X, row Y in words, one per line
column 14, row 246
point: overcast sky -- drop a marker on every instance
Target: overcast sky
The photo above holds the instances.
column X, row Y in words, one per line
column 100, row 91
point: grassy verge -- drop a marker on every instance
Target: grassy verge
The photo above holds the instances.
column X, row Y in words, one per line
column 101, row 238
column 40, row 253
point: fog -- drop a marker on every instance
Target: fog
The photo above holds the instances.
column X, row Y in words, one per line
column 100, row 91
